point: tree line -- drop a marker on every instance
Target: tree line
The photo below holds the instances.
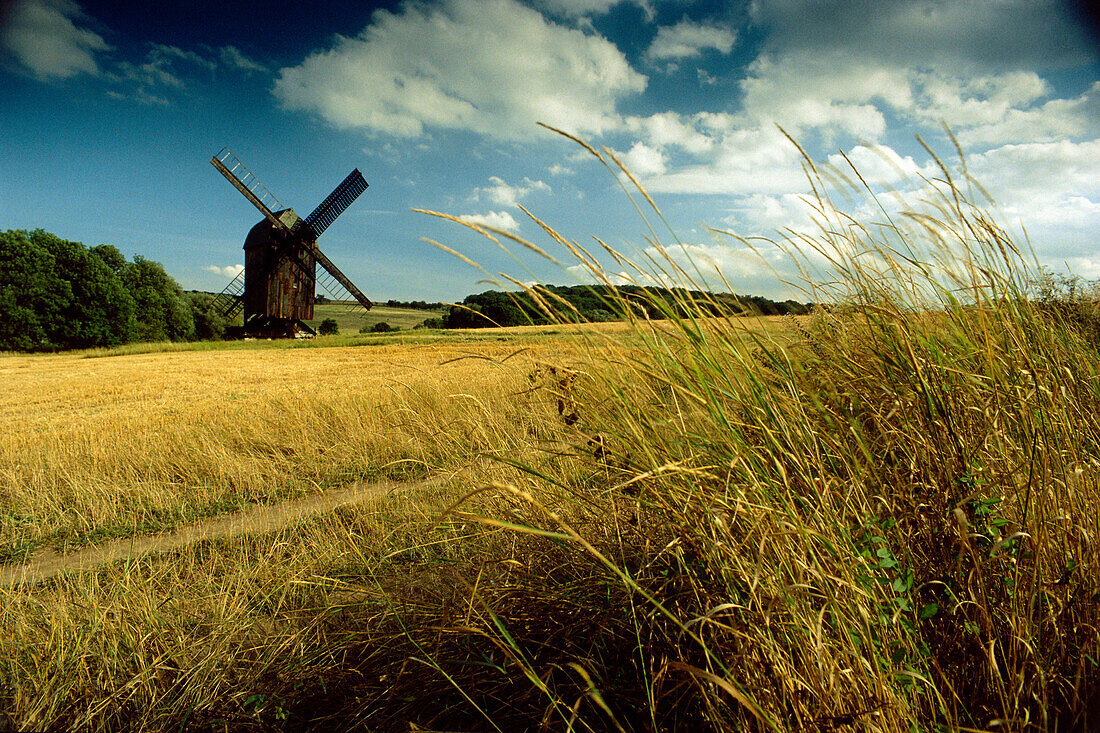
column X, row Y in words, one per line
column 57, row 294
column 596, row 303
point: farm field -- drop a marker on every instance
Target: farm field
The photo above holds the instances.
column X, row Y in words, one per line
column 350, row 320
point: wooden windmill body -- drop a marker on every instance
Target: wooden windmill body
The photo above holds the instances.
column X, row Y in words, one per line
column 276, row 290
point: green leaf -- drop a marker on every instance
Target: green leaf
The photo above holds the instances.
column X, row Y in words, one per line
column 929, row 610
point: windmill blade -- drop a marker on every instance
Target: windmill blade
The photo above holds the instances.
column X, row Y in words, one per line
column 230, row 166
column 334, row 205
column 230, row 301
column 341, row 278
column 335, row 283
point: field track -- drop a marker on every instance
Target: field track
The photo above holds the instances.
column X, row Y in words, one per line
column 260, row 519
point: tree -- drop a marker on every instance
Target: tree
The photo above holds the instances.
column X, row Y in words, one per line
column 329, row 327
column 161, row 312
column 110, row 256
column 100, row 311
column 209, row 324
column 380, row 327
column 32, row 296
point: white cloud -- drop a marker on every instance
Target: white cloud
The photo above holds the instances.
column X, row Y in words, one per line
column 498, row 219
column 1087, row 267
column 881, row 165
column 670, row 129
column 156, row 70
column 644, row 161
column 44, row 36
column 504, row 194
column 711, row 266
column 581, row 8
column 688, row 39
column 837, row 67
column 1024, row 171
column 401, row 74
column 828, row 94
column 1053, row 189
column 1007, row 123
column 950, row 34
column 765, row 215
column 228, row 271
column 743, row 160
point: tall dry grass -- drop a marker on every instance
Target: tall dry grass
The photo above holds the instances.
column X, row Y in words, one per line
column 889, row 524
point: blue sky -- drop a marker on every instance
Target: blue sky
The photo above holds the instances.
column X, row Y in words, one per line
column 112, row 110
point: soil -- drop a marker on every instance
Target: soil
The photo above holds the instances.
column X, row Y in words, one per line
column 259, row 519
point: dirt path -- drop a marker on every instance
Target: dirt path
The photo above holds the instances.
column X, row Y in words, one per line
column 257, row 520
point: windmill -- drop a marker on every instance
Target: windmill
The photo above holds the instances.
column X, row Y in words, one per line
column 275, row 291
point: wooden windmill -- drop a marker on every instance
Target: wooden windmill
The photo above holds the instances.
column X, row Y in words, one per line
column 276, row 289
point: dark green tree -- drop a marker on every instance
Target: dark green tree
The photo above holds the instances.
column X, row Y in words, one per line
column 100, row 311
column 161, row 312
column 32, row 296
column 209, row 324
column 110, row 256
column 329, row 327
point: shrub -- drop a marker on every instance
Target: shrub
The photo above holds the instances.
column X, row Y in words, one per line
column 328, row 327
column 380, row 327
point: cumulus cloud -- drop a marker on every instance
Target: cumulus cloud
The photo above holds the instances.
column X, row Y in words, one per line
column 228, row 271
column 45, row 37
column 493, row 67
column 688, row 39
column 583, row 8
column 839, row 67
column 741, row 159
column 1087, row 267
column 956, row 32
column 644, row 161
column 881, row 165
column 987, row 118
column 829, row 95
column 709, row 265
column 671, row 129
column 833, row 74
column 498, row 219
column 1051, row 188
column 503, row 194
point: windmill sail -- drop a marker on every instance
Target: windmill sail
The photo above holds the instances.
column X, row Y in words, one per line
column 230, row 166
column 340, row 278
column 230, row 301
column 334, row 205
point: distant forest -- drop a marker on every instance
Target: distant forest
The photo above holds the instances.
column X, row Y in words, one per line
column 595, row 303
column 419, row 305
column 56, row 294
